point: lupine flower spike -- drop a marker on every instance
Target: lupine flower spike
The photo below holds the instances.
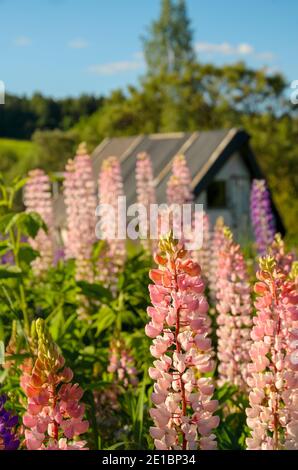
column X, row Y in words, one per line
column 54, row 417
column 179, row 184
column 262, row 218
column 8, row 422
column 110, row 190
column 179, row 324
column 122, row 364
column 80, row 201
column 272, row 416
column 38, row 198
column 178, row 193
column 145, row 196
column 234, row 318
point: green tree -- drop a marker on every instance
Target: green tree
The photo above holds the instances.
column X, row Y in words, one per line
column 168, row 46
column 54, row 148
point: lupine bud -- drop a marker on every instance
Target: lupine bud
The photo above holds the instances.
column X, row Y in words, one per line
column 38, row 198
column 283, row 259
column 261, row 216
column 183, row 412
column 272, row 416
column 8, row 422
column 110, row 190
column 54, row 416
column 234, row 318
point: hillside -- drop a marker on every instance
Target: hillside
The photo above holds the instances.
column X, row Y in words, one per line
column 16, row 157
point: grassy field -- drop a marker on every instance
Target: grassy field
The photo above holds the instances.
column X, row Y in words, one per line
column 16, row 157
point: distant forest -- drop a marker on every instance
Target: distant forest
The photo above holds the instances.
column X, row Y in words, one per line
column 21, row 116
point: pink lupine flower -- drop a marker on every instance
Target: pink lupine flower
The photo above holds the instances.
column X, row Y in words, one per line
column 110, row 190
column 38, row 198
column 180, row 325
column 54, row 416
column 80, row 201
column 234, row 318
column 272, row 415
column 179, row 184
column 70, row 236
column 179, row 193
column 145, row 196
column 122, row 364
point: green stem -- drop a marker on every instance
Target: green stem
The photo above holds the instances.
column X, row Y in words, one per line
column 15, row 241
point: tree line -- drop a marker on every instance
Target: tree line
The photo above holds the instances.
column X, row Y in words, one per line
column 22, row 115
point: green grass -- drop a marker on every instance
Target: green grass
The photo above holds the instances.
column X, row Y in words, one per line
column 18, row 146
column 16, row 157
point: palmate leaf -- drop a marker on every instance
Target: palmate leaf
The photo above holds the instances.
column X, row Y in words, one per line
column 27, row 253
column 29, row 223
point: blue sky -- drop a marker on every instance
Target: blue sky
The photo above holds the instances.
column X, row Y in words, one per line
column 67, row 47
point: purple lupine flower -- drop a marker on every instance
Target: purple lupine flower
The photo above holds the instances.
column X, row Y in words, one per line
column 262, row 218
column 8, row 439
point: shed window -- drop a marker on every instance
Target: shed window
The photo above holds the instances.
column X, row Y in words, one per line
column 216, row 195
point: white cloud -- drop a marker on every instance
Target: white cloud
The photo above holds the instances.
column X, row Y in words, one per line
column 78, row 43
column 225, row 48
column 22, row 41
column 244, row 49
column 114, row 68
